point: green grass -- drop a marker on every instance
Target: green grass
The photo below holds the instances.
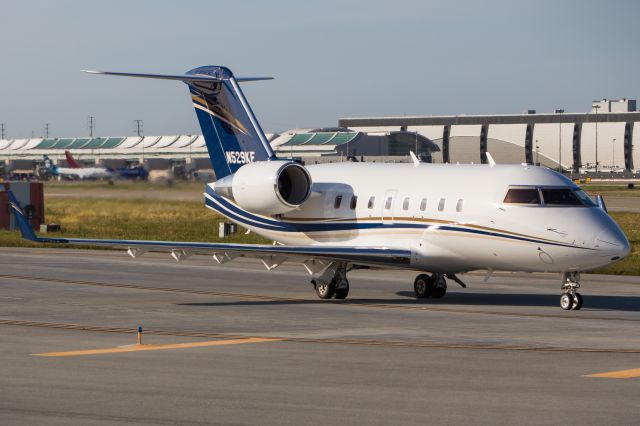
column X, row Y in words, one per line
column 611, row 190
column 124, row 185
column 131, row 219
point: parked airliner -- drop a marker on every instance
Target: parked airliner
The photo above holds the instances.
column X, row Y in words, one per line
column 74, row 171
column 439, row 219
column 134, row 173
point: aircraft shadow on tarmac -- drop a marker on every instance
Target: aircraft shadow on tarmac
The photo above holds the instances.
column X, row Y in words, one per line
column 613, row 303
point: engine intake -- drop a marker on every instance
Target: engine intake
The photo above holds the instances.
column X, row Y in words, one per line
column 267, row 187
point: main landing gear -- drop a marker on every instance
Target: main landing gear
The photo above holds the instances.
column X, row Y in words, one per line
column 332, row 283
column 434, row 285
column 570, row 298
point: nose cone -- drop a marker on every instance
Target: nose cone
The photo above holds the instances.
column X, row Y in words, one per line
column 612, row 240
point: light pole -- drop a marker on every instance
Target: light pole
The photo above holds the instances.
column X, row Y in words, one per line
column 537, row 156
column 560, row 111
column 613, row 154
column 596, row 107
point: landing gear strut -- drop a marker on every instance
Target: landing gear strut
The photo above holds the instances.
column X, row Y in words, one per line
column 570, row 298
column 333, row 282
column 434, row 285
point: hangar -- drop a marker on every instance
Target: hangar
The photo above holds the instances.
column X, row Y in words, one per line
column 604, row 138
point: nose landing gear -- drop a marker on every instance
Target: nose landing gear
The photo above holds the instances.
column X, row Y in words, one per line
column 570, row 298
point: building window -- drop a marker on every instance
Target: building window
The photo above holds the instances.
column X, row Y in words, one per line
column 354, row 202
column 387, row 204
column 423, row 204
column 459, row 205
column 441, row 204
column 405, row 204
column 372, row 201
column 338, row 201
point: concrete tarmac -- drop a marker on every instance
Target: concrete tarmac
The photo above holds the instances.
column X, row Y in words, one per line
column 501, row 352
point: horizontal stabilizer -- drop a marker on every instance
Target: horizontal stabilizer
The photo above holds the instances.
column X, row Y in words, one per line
column 182, row 77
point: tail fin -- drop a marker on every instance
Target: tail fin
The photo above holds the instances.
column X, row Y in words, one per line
column 48, row 164
column 231, row 131
column 71, row 161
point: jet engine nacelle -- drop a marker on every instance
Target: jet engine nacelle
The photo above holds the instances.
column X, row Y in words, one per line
column 267, row 187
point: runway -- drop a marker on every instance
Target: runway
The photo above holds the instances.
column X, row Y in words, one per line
column 236, row 344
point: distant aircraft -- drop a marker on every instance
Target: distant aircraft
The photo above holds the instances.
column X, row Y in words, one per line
column 137, row 172
column 72, row 161
column 438, row 219
column 75, row 171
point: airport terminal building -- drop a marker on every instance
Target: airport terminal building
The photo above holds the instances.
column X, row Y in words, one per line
column 607, row 135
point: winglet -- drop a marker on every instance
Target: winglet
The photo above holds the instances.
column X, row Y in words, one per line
column 415, row 159
column 23, row 223
column 490, row 159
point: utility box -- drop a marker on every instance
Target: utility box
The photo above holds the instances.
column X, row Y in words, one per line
column 30, row 196
column 225, row 229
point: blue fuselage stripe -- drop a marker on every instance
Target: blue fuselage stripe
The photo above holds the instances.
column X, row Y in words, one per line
column 224, row 207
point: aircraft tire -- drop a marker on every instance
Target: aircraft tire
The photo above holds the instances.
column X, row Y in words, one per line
column 566, row 301
column 325, row 291
column 577, row 302
column 422, row 286
column 439, row 288
column 342, row 292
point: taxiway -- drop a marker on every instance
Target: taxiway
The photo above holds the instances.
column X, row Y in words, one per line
column 236, row 344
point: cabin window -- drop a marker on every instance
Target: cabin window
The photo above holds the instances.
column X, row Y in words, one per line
column 459, row 205
column 405, row 204
column 354, row 202
column 337, row 202
column 372, row 201
column 441, row 204
column 423, row 204
column 523, row 196
column 560, row 197
column 387, row 204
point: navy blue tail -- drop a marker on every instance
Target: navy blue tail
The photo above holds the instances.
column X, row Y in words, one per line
column 231, row 131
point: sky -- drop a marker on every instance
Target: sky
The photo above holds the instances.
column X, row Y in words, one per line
column 330, row 59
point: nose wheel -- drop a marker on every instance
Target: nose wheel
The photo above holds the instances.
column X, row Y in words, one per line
column 570, row 298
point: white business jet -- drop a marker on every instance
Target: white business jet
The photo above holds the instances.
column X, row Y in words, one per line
column 439, row 219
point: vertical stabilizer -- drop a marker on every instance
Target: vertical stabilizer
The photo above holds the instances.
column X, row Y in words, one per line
column 71, row 161
column 231, row 131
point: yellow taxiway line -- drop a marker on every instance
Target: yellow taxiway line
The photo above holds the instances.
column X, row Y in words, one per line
column 144, row 347
column 620, row 374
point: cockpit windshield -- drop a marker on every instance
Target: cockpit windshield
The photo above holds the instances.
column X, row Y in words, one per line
column 545, row 196
column 522, row 196
column 560, row 197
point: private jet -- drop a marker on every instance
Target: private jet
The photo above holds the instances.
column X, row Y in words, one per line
column 440, row 220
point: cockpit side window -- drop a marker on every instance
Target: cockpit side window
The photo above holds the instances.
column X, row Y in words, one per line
column 529, row 196
column 586, row 200
column 560, row 197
